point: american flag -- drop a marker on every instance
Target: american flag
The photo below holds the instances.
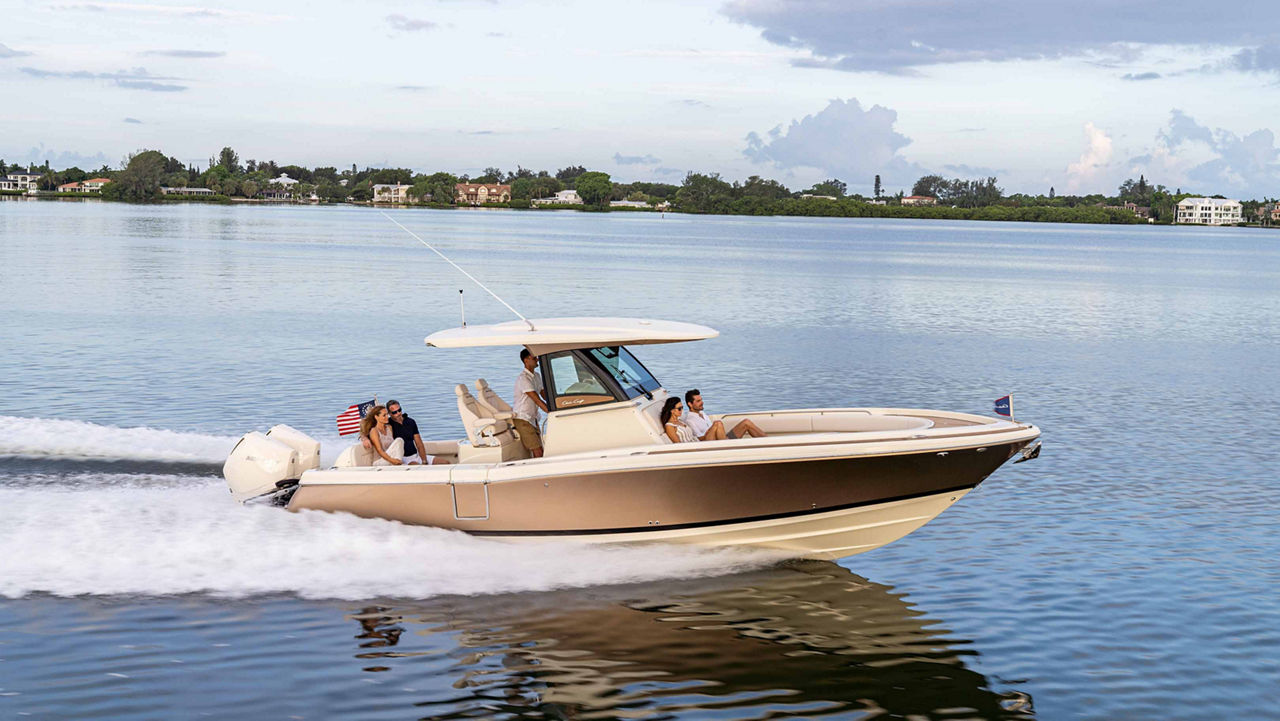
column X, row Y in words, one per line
column 349, row 420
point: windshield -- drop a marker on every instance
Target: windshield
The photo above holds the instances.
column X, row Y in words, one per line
column 618, row 362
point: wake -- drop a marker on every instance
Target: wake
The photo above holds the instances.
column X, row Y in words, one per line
column 161, row 536
column 48, row 438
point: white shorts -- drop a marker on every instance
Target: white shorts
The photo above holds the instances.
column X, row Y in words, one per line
column 415, row 458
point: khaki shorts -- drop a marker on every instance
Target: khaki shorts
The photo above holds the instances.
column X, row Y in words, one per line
column 529, row 436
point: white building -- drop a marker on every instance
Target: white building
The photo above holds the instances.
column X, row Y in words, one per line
column 628, row 204
column 280, row 188
column 21, row 180
column 919, row 200
column 397, row 193
column 564, row 197
column 1209, row 211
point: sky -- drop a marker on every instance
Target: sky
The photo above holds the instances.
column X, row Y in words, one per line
column 1074, row 96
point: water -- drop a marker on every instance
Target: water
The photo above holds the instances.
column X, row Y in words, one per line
column 1130, row 572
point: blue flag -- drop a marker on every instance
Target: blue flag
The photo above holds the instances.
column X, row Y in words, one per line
column 1004, row 406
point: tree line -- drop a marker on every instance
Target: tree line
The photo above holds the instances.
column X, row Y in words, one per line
column 959, row 198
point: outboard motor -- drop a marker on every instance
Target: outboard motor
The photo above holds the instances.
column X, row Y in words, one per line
column 264, row 463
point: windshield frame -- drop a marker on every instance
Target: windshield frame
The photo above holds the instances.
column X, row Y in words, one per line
column 621, row 392
column 645, row 386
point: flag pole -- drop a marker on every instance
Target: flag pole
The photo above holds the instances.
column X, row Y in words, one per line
column 1011, row 417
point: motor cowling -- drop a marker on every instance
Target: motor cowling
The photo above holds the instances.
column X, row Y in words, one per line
column 258, row 463
column 307, row 447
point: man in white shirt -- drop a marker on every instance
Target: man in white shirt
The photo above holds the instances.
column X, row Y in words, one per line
column 528, row 402
column 708, row 430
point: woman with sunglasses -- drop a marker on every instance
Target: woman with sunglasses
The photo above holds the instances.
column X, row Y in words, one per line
column 376, row 427
column 676, row 430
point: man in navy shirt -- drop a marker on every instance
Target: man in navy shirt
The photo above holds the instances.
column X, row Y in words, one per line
column 405, row 428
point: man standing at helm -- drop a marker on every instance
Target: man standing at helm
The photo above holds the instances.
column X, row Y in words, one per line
column 528, row 403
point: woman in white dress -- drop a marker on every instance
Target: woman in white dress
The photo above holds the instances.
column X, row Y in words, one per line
column 375, row 429
column 676, row 430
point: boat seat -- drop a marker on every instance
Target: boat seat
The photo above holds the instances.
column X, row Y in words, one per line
column 492, row 402
column 353, row 456
column 484, row 431
column 357, row 455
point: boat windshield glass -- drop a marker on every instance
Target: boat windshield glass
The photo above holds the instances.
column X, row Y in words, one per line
column 630, row 375
column 574, row 382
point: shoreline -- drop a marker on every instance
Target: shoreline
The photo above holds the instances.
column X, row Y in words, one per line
column 805, row 208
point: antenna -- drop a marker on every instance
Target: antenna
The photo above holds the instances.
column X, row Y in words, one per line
column 460, row 270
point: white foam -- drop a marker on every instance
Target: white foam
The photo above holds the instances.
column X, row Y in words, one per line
column 104, row 540
column 53, row 438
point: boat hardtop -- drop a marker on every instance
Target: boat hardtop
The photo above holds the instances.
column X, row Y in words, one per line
column 547, row 335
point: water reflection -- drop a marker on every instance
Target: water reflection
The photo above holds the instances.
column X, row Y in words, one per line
column 806, row 639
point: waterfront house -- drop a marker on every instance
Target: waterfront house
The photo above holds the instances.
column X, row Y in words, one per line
column 280, row 188
column 1209, row 211
column 481, row 193
column 1268, row 214
column 564, row 197
column 1141, row 211
column 919, row 200
column 185, row 191
column 94, row 185
column 22, row 180
column 394, row 193
column 804, row 196
column 70, row 188
column 628, row 204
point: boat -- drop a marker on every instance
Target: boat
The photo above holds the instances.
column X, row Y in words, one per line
column 824, row 483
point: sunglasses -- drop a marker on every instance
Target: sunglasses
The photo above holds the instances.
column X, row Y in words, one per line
column 397, row 411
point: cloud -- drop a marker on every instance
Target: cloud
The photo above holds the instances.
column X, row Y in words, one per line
column 668, row 172
column 63, row 160
column 1140, row 76
column 899, row 37
column 1087, row 172
column 1264, row 58
column 151, row 86
column 621, row 159
column 962, row 170
column 185, row 11
column 135, row 121
column 8, row 52
column 692, row 103
column 135, row 79
column 415, row 88
column 843, row 140
column 409, row 25
column 1211, row 160
column 497, row 35
column 187, row 53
